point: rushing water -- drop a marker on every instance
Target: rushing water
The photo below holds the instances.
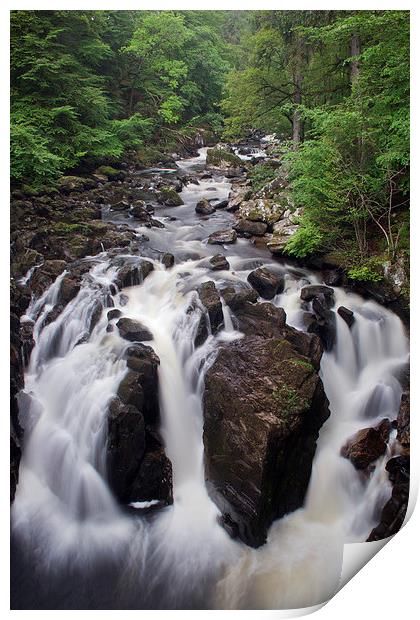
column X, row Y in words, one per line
column 73, row 547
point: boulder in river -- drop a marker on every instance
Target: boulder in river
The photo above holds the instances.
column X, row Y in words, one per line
column 222, row 237
column 219, row 262
column 366, row 446
column 210, row 299
column 247, row 228
column 133, row 330
column 224, row 160
column 168, row 260
column 308, row 293
column 236, row 297
column 264, row 404
column 169, row 197
column 137, row 466
column 203, row 207
column 266, row 283
column 346, row 314
column 133, row 273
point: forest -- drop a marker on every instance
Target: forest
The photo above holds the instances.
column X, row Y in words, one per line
column 333, row 84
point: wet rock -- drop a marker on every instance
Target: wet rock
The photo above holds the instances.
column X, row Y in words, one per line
column 139, row 212
column 261, row 319
column 134, row 331
column 154, row 478
column 266, row 283
column 247, row 228
column 221, row 205
column 125, row 446
column 113, row 314
column 325, row 326
column 219, row 262
column 347, row 315
column 132, row 274
column 263, row 406
column 44, row 276
column 122, row 205
column 403, row 421
column 168, row 260
column 335, row 277
column 210, row 299
column 157, row 223
column 365, row 447
column 394, row 511
column 222, row 237
column 235, row 298
column 68, row 290
column 203, row 207
column 308, row 293
column 169, row 197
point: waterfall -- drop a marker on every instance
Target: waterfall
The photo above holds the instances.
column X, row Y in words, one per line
column 64, row 512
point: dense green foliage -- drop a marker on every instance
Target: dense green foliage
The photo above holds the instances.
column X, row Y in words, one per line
column 86, row 86
column 90, row 84
column 337, row 83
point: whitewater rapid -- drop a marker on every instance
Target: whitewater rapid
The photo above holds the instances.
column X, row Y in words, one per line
column 66, row 523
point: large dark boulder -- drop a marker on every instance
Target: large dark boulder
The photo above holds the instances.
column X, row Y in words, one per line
column 236, row 297
column 126, row 446
column 132, row 274
column 326, row 323
column 138, row 468
column 346, row 314
column 210, row 299
column 264, row 404
column 133, row 330
column 203, row 207
column 247, row 228
column 394, row 511
column 308, row 293
column 266, row 283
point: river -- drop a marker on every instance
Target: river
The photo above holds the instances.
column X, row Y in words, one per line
column 72, row 545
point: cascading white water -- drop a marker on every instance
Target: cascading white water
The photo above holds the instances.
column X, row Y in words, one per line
column 64, row 511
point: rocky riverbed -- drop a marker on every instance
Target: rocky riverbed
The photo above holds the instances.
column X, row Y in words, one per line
column 192, row 244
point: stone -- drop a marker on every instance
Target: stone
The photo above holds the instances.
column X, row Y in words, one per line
column 168, row 260
column 132, row 274
column 347, row 315
column 219, row 262
column 308, row 293
column 365, row 447
column 263, row 406
column 235, row 298
column 222, row 237
column 223, row 159
column 247, row 228
column 113, row 314
column 210, row 299
column 169, row 197
column 125, row 446
column 222, row 204
column 121, row 205
column 266, row 283
column 203, row 207
column 132, row 330
column 403, row 421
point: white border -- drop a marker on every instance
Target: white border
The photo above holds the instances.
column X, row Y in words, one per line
column 387, row 586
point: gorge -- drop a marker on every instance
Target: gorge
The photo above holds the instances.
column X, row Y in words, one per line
column 124, row 499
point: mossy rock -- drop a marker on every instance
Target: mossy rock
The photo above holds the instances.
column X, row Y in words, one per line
column 219, row 158
column 69, row 184
column 262, row 210
column 61, row 228
column 169, row 197
column 111, row 173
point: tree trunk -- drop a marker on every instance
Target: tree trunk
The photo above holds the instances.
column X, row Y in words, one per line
column 354, row 64
column 297, row 121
